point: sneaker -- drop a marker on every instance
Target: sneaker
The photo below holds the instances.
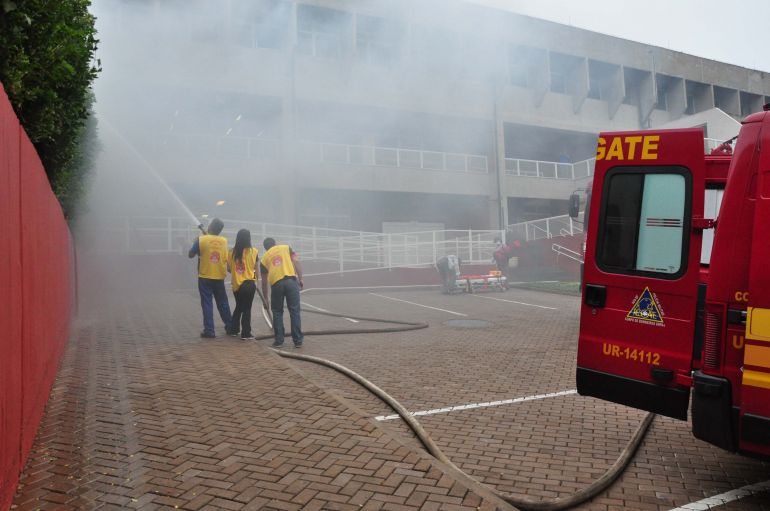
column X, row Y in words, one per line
column 277, row 345
column 247, row 337
column 233, row 334
column 297, row 346
column 206, row 335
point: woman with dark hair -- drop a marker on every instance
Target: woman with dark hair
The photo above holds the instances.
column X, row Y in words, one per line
column 242, row 264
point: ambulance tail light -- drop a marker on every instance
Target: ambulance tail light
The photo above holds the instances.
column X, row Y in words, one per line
column 713, row 335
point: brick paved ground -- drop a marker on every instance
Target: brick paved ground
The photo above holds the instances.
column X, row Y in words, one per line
column 545, row 447
column 146, row 415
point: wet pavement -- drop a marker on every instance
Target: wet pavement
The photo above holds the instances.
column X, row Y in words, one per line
column 146, row 415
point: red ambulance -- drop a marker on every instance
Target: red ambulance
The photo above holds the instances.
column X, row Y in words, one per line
column 676, row 281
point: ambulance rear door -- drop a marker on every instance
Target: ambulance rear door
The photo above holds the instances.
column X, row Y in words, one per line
column 641, row 270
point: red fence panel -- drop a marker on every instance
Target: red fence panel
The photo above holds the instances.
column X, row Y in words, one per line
column 10, row 311
column 45, row 288
column 35, row 285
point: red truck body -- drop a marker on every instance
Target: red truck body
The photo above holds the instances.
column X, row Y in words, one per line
column 676, row 300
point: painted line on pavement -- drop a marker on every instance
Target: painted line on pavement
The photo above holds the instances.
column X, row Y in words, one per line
column 419, row 305
column 487, row 404
column 728, row 496
column 351, row 288
column 324, row 310
column 514, row 301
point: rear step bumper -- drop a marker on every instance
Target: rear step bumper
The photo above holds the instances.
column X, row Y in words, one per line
column 713, row 416
column 668, row 401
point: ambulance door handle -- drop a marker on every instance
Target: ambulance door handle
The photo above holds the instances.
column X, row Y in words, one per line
column 596, row 295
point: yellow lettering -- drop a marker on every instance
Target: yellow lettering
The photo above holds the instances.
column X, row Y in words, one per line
column 616, row 149
column 741, row 296
column 650, row 147
column 615, row 351
column 600, row 149
column 738, row 341
column 606, row 348
column 632, row 141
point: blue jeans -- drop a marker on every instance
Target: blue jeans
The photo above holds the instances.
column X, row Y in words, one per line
column 215, row 288
column 287, row 288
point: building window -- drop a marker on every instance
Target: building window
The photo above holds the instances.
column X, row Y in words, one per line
column 642, row 228
column 690, row 110
column 321, row 32
column 434, row 47
column 558, row 82
column 519, row 64
column 261, row 24
column 379, row 41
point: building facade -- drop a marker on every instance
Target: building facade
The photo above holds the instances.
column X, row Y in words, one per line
column 354, row 114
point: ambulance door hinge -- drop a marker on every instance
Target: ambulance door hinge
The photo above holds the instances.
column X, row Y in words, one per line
column 703, row 223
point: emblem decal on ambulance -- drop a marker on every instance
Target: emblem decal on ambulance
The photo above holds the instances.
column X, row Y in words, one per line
column 646, row 309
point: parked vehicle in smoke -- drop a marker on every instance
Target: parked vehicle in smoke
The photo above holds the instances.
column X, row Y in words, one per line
column 675, row 298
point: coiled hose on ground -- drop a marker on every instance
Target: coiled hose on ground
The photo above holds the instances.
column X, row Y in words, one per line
column 576, row 498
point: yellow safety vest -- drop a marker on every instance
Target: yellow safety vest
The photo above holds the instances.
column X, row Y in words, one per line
column 243, row 270
column 278, row 262
column 212, row 263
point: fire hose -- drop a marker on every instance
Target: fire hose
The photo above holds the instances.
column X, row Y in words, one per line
column 582, row 495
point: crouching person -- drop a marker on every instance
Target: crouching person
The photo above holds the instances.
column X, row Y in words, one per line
column 449, row 270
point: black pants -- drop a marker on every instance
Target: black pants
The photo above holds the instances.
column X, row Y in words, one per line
column 243, row 299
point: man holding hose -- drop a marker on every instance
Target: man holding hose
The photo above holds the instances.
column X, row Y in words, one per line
column 280, row 267
column 211, row 250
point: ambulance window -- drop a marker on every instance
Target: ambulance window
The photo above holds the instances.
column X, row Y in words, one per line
column 642, row 226
column 711, row 205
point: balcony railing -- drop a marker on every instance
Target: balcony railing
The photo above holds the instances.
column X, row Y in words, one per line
column 346, row 154
column 550, row 169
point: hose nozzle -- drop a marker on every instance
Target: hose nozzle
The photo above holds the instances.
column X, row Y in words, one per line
column 200, row 226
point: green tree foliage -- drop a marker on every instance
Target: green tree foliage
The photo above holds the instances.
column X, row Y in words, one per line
column 47, row 67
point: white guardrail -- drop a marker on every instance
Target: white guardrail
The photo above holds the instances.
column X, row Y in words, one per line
column 547, row 228
column 351, row 154
column 549, row 169
column 343, row 250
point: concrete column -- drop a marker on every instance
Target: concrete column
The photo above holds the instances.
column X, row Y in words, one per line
column 616, row 92
column 579, row 85
column 498, row 199
column 288, row 188
column 676, row 98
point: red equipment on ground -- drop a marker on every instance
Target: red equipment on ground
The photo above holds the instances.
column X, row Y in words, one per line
column 493, row 281
column 671, row 304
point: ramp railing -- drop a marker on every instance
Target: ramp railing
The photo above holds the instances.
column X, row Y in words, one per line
column 566, row 252
column 547, row 228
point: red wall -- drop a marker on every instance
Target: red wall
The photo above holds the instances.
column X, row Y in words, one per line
column 35, row 289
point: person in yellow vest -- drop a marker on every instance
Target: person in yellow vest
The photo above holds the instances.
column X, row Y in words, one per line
column 280, row 267
column 211, row 250
column 242, row 265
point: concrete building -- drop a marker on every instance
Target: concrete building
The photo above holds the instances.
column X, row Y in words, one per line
column 354, row 114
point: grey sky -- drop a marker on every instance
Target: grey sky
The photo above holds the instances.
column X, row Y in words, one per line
column 731, row 32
